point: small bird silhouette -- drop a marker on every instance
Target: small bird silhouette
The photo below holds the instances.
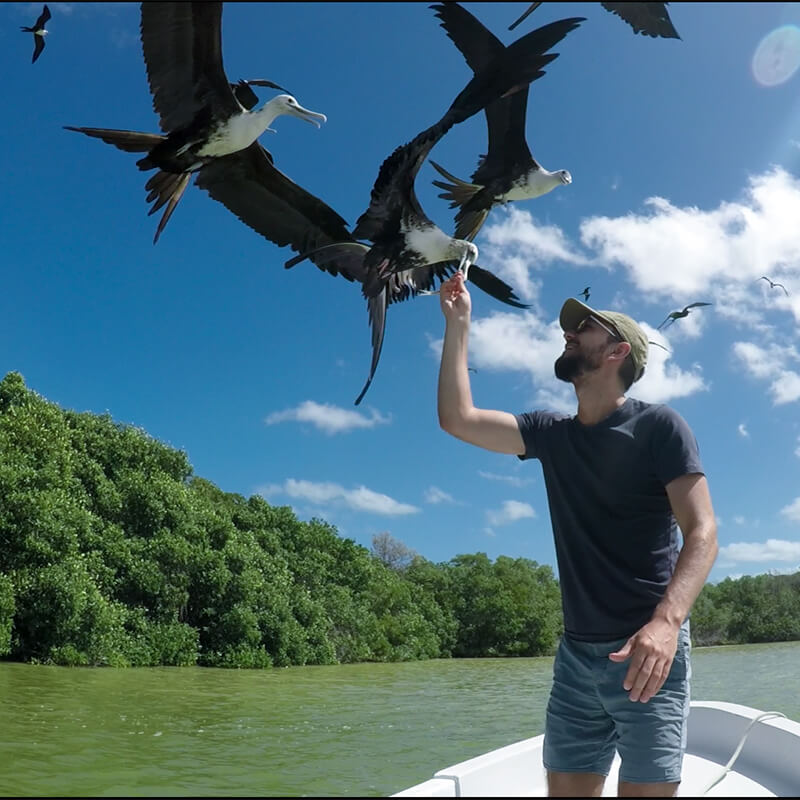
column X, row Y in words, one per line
column 585, row 293
column 39, row 32
column 773, row 284
column 673, row 315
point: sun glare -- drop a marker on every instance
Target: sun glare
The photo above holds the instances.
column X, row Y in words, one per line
column 777, row 56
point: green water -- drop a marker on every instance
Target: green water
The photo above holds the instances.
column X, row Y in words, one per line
column 352, row 730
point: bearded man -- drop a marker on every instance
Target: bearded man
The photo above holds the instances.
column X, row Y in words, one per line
column 621, row 477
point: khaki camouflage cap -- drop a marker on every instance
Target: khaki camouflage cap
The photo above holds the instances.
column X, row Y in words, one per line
column 573, row 311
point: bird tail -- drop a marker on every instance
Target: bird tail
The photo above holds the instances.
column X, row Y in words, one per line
column 376, row 307
column 129, row 141
column 165, row 188
column 494, row 286
column 458, row 192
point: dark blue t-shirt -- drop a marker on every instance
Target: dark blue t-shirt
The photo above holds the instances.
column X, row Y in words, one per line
column 615, row 535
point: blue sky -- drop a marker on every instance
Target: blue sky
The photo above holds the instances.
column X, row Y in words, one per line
column 685, row 159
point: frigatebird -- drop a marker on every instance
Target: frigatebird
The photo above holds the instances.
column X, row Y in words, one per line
column 508, row 171
column 585, row 294
column 203, row 115
column 39, row 32
column 673, row 315
column 773, row 284
column 650, row 19
column 408, row 250
column 251, row 187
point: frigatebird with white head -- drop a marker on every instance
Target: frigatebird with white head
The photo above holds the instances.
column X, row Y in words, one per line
column 39, row 32
column 650, row 19
column 203, row 115
column 508, row 171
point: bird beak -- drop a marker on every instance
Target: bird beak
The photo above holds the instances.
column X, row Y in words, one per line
column 309, row 116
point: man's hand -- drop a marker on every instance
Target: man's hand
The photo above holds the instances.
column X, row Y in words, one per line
column 454, row 297
column 651, row 650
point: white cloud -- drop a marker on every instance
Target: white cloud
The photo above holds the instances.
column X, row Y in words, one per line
column 436, row 495
column 769, row 363
column 510, row 511
column 792, row 511
column 516, row 244
column 743, row 432
column 682, row 252
column 360, row 499
column 513, row 480
column 771, row 550
column 328, row 418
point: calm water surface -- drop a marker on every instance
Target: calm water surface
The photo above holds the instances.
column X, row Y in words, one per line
column 351, row 730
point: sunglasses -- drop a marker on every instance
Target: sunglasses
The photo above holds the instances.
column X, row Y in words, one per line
column 591, row 318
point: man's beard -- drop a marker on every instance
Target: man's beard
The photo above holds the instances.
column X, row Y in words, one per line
column 568, row 367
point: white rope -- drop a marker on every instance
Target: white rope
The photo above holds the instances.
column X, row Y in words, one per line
column 727, row 768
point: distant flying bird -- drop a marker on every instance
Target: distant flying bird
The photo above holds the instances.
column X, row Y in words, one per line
column 508, row 171
column 585, row 294
column 651, row 19
column 203, row 115
column 39, row 32
column 773, row 284
column 673, row 315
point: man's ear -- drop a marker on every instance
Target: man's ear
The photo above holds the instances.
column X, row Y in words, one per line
column 620, row 352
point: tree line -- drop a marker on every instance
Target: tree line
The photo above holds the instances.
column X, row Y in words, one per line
column 112, row 552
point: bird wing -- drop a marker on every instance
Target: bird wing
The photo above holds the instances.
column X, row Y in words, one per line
column 651, row 19
column 270, row 203
column 246, row 96
column 521, row 63
column 394, row 186
column 667, row 319
column 38, row 46
column 182, row 46
column 695, row 305
column 505, row 117
column 531, row 8
column 43, row 18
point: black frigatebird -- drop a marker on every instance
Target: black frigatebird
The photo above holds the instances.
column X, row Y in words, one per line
column 508, row 171
column 203, row 115
column 408, row 250
column 650, row 19
column 39, row 32
column 773, row 284
column 673, row 315
column 585, row 294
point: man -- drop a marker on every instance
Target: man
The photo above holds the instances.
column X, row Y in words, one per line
column 619, row 475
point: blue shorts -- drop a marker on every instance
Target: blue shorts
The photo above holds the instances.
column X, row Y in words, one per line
column 589, row 715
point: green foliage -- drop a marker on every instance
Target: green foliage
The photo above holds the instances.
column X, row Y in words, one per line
column 112, row 553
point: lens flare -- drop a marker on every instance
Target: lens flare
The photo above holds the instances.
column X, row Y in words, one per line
column 777, row 56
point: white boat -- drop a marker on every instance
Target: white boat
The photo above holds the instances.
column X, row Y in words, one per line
column 732, row 751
